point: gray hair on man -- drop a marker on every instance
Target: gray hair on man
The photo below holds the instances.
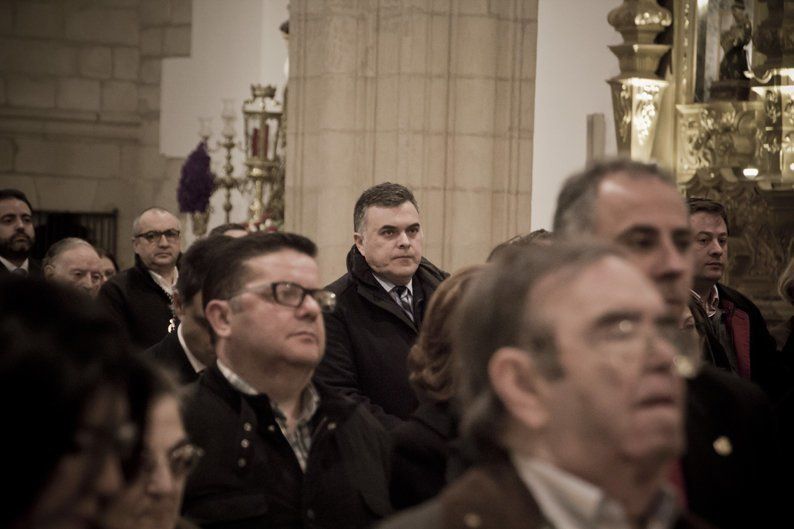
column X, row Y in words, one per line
column 61, row 246
column 136, row 223
column 498, row 311
column 574, row 215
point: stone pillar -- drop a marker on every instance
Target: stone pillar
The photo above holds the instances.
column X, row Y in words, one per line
column 436, row 95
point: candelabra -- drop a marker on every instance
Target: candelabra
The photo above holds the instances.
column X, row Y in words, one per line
column 228, row 182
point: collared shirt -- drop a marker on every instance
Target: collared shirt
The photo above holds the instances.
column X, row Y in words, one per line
column 163, row 282
column 195, row 363
column 388, row 286
column 713, row 303
column 569, row 502
column 300, row 439
column 11, row 266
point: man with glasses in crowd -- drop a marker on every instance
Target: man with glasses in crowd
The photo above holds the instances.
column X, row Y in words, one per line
column 280, row 450
column 140, row 297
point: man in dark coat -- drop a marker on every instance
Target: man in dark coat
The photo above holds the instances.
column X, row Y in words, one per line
column 280, row 451
column 734, row 460
column 568, row 387
column 735, row 322
column 17, row 234
column 187, row 350
column 139, row 298
column 380, row 304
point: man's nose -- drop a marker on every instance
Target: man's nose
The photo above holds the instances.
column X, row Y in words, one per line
column 715, row 248
column 672, row 261
column 403, row 240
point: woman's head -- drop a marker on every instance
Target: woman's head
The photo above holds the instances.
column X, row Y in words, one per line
column 66, row 415
column 430, row 361
column 153, row 496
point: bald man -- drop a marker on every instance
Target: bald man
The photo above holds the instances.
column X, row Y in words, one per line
column 140, row 297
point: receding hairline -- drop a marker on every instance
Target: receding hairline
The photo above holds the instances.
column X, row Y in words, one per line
column 65, row 245
column 136, row 223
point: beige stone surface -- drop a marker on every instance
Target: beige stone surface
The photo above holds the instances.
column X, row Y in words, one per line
column 68, row 158
column 39, row 19
column 176, row 41
column 76, row 133
column 152, row 41
column 6, row 155
column 151, row 70
column 434, row 95
column 125, row 63
column 23, row 91
column 107, row 26
column 119, row 96
column 37, row 57
column 95, row 62
column 78, row 94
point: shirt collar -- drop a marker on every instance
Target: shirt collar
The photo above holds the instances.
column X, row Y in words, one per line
column 197, row 365
column 310, row 399
column 11, row 266
column 388, row 286
column 571, row 502
column 713, row 302
column 163, row 283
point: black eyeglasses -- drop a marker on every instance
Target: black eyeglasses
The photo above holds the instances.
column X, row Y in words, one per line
column 292, row 294
column 154, row 236
column 121, row 438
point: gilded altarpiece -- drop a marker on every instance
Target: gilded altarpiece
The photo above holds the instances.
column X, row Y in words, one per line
column 735, row 131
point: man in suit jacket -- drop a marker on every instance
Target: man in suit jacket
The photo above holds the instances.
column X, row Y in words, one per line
column 280, row 451
column 187, row 349
column 380, row 304
column 568, row 386
column 139, row 298
column 735, row 321
column 731, row 481
column 17, row 234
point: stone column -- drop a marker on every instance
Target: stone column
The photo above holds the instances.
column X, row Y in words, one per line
column 437, row 95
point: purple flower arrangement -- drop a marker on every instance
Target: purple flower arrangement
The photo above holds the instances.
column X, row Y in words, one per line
column 196, row 183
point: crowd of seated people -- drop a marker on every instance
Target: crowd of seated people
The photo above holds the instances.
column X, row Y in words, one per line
column 598, row 376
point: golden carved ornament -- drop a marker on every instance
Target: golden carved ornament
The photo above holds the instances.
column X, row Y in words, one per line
column 639, row 21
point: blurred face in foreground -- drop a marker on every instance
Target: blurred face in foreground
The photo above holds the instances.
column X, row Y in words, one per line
column 647, row 217
column 153, row 499
column 89, row 475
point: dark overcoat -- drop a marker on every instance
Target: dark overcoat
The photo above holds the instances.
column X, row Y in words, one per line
column 249, row 476
column 368, row 338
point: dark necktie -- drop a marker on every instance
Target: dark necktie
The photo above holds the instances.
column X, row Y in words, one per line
column 404, row 297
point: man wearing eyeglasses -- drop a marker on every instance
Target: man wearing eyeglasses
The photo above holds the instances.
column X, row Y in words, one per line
column 139, row 298
column 280, row 450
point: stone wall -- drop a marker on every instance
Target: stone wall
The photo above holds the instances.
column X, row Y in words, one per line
column 437, row 95
column 80, row 104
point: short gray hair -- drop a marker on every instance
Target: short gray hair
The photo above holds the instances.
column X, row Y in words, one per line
column 575, row 212
column 61, row 246
column 498, row 310
column 136, row 223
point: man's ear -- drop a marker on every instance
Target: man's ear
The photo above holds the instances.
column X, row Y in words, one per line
column 217, row 313
column 358, row 240
column 48, row 271
column 179, row 305
column 520, row 386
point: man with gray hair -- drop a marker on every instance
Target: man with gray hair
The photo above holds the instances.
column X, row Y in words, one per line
column 74, row 262
column 139, row 298
column 569, row 390
column 733, row 458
